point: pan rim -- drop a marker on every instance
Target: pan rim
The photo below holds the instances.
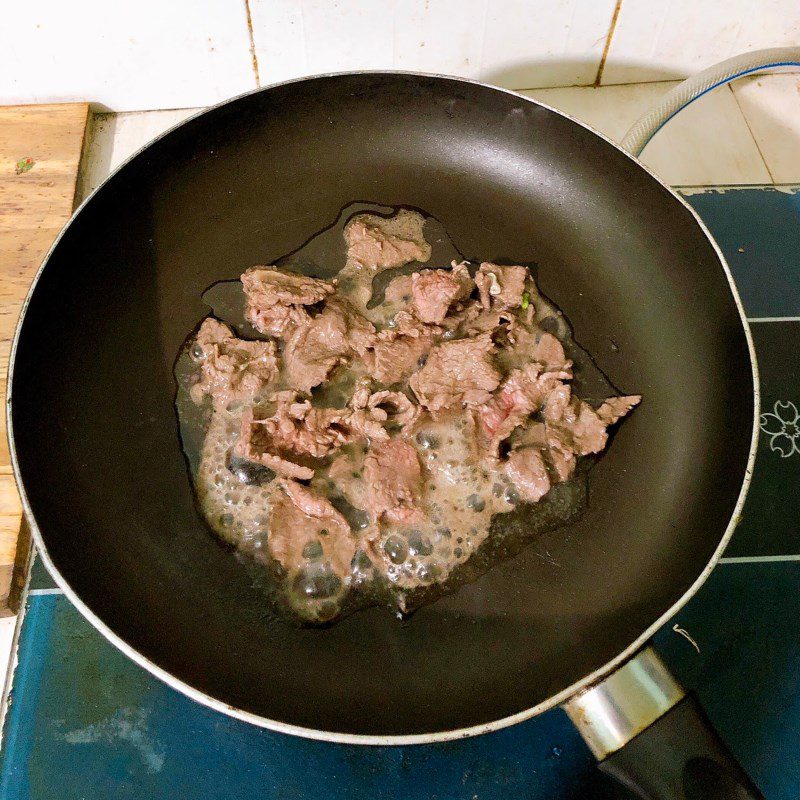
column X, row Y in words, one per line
column 384, row 739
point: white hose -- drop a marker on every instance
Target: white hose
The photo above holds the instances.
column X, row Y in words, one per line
column 676, row 99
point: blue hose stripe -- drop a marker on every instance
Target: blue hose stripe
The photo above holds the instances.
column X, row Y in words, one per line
column 714, row 86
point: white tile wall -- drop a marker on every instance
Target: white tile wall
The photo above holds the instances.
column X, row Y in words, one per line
column 516, row 43
column 548, row 43
column 181, row 53
column 654, row 40
column 126, row 55
column 689, row 150
column 771, row 105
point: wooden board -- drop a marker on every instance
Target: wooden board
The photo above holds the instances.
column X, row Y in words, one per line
column 40, row 153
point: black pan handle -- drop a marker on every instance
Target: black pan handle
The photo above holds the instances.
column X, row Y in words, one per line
column 655, row 739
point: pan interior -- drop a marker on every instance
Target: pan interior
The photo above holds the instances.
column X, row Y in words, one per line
column 96, row 436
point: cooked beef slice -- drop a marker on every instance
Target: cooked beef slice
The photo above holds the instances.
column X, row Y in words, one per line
column 500, row 287
column 256, row 445
column 457, row 372
column 295, row 429
column 308, row 535
column 399, row 290
column 277, row 300
column 324, row 342
column 526, row 468
column 232, row 370
column 394, row 480
column 615, row 408
column 396, row 356
column 379, row 243
column 433, row 291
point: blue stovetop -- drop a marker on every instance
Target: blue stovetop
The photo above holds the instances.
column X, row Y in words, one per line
column 84, row 722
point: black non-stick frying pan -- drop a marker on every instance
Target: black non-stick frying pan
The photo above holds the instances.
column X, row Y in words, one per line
column 105, row 485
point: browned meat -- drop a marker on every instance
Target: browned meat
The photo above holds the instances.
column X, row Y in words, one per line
column 394, row 407
column 396, row 356
column 295, row 429
column 231, row 369
column 525, row 346
column 399, row 290
column 394, row 480
column 276, row 300
column 615, row 408
column 325, row 341
column 575, row 426
column 526, row 468
column 523, row 392
column 300, row 518
column 500, row 287
column 457, row 372
column 347, row 473
column 378, row 243
column 255, row 445
column 367, row 418
column 579, row 429
column 549, row 352
column 433, row 291
column 475, row 320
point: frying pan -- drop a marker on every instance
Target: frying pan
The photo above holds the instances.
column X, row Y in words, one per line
column 96, row 450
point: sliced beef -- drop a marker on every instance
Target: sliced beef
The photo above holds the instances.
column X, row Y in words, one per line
column 527, row 470
column 296, row 429
column 399, row 290
column 276, row 301
column 474, row 320
column 576, row 426
column 615, row 408
column 255, row 444
column 395, row 407
column 232, row 370
column 306, row 530
column 524, row 392
column 525, row 345
column 373, row 410
column 324, row 342
column 433, row 291
column 579, row 429
column 379, row 243
column 346, row 472
column 394, row 480
column 457, row 372
column 500, row 287
column 396, row 356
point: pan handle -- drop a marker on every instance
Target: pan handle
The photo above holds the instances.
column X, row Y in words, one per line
column 640, row 133
column 654, row 738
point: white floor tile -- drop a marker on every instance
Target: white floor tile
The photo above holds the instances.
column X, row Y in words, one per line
column 707, row 143
column 771, row 106
column 125, row 55
column 115, row 137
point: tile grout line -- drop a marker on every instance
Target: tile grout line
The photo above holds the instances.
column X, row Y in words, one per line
column 252, row 39
column 607, row 46
column 773, row 319
column 750, row 131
